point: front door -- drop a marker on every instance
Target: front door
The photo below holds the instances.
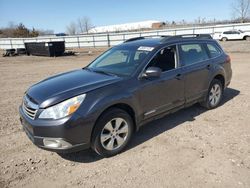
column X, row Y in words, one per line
column 158, row 95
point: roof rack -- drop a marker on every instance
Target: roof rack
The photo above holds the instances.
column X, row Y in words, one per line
column 167, row 38
column 133, row 39
column 187, row 36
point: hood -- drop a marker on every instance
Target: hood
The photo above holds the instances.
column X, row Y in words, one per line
column 66, row 85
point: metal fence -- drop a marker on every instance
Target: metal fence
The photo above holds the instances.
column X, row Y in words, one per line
column 111, row 39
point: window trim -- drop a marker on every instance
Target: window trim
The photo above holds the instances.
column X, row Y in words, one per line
column 203, row 45
column 177, row 59
column 216, row 46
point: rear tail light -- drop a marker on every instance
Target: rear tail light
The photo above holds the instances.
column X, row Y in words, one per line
column 228, row 59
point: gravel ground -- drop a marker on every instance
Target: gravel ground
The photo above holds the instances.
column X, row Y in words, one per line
column 190, row 148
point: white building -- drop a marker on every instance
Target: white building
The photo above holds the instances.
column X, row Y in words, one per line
column 150, row 24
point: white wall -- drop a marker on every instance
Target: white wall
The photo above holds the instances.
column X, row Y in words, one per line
column 104, row 40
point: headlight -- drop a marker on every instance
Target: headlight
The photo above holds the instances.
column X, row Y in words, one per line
column 63, row 109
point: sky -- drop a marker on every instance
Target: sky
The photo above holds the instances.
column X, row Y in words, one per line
column 57, row 14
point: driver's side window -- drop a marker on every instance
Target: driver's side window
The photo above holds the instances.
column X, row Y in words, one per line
column 165, row 59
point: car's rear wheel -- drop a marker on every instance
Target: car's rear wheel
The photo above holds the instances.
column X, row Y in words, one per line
column 247, row 38
column 224, row 39
column 214, row 95
column 112, row 132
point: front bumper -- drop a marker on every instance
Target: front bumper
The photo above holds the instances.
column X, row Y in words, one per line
column 65, row 135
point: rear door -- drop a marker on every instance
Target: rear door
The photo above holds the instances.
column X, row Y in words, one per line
column 235, row 35
column 196, row 68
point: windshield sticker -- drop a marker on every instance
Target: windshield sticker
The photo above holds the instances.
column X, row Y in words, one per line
column 145, row 48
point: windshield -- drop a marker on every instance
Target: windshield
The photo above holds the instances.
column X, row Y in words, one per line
column 121, row 61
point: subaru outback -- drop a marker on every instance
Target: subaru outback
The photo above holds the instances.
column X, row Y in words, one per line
column 101, row 105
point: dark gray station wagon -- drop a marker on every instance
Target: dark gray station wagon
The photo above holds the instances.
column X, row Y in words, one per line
column 101, row 105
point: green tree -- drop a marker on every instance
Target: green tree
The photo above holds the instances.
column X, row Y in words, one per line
column 21, row 31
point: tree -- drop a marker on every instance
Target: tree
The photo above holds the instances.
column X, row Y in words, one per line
column 84, row 24
column 183, row 22
column 9, row 30
column 34, row 33
column 71, row 29
column 173, row 23
column 241, row 9
column 21, row 31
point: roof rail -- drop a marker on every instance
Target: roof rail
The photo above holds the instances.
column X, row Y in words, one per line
column 133, row 39
column 187, row 36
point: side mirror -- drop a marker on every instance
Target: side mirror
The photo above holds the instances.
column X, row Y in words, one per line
column 152, row 72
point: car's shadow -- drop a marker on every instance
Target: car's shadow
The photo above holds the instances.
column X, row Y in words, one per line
column 153, row 128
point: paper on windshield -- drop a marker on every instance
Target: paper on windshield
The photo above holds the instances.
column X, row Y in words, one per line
column 145, row 48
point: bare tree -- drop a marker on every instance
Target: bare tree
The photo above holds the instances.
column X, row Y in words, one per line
column 241, row 9
column 84, row 24
column 71, row 29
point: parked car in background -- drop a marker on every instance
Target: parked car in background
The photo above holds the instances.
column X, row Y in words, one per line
column 234, row 35
column 102, row 105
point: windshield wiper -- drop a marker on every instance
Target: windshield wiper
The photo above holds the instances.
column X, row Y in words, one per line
column 87, row 68
column 99, row 71
column 103, row 72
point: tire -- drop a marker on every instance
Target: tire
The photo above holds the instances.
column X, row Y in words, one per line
column 224, row 39
column 214, row 95
column 112, row 132
column 247, row 38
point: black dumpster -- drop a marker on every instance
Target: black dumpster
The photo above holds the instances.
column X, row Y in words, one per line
column 50, row 49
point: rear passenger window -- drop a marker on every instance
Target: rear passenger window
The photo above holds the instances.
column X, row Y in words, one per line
column 192, row 53
column 214, row 50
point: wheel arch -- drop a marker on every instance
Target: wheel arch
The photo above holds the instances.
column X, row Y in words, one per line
column 224, row 38
column 221, row 78
column 123, row 106
column 244, row 38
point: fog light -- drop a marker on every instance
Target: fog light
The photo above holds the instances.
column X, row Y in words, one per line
column 56, row 143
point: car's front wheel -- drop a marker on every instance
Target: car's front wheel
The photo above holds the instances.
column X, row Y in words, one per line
column 224, row 39
column 112, row 132
column 214, row 95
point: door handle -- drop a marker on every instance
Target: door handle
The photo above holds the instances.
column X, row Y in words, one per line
column 178, row 76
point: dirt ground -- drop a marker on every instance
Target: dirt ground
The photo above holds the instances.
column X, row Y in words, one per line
column 190, row 148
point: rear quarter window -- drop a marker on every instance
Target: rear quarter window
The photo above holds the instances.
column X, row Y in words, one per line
column 213, row 50
column 192, row 53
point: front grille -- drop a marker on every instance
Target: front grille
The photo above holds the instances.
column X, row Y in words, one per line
column 29, row 108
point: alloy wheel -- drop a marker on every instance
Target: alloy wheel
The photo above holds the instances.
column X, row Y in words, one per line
column 215, row 95
column 114, row 134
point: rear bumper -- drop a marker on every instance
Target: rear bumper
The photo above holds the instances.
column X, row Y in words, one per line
column 229, row 78
column 66, row 135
